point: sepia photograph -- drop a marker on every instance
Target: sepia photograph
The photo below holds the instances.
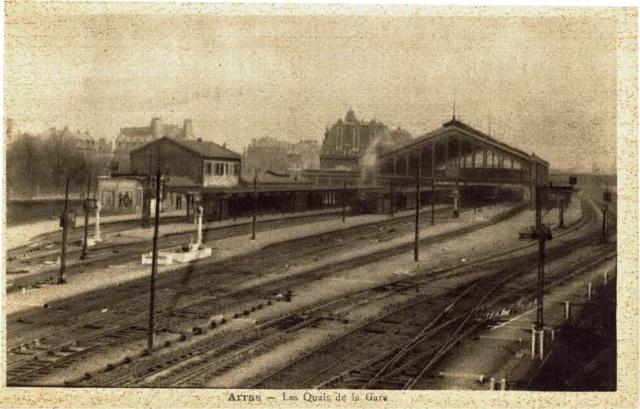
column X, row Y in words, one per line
column 212, row 205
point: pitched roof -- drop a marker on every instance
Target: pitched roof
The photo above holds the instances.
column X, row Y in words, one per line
column 465, row 129
column 206, row 149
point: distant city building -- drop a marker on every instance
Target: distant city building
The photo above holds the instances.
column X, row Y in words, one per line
column 347, row 141
column 10, row 130
column 304, row 155
column 266, row 154
column 134, row 137
column 81, row 141
column 399, row 136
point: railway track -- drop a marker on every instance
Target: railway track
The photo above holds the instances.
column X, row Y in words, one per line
column 131, row 331
column 316, row 246
column 107, row 254
column 83, row 330
column 349, row 362
column 219, row 357
column 391, row 353
column 54, row 238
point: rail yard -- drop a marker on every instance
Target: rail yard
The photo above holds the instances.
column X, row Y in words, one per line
column 338, row 307
column 311, row 283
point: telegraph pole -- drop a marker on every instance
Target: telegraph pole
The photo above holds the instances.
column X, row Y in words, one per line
column 541, row 258
column 154, row 267
column 255, row 204
column 86, row 220
column 561, row 223
column 416, row 248
column 392, row 199
column 344, row 200
column 62, row 278
column 605, row 238
column 433, row 183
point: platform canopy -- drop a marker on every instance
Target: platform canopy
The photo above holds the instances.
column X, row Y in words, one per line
column 459, row 153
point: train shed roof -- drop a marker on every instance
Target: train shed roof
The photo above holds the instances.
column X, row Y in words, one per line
column 467, row 130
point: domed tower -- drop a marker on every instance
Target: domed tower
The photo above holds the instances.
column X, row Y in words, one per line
column 351, row 116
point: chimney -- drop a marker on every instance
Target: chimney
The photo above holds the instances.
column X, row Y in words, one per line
column 187, row 129
column 224, row 145
column 199, row 139
column 156, row 127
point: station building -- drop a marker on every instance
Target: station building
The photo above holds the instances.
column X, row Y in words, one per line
column 190, row 167
column 454, row 157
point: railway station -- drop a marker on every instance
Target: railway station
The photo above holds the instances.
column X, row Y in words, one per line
column 346, row 267
column 227, row 221
column 381, row 179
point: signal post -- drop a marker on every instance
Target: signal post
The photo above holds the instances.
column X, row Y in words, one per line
column 541, row 233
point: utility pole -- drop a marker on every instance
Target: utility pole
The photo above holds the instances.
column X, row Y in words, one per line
column 344, row 200
column 146, row 196
column 541, row 233
column 433, row 182
column 392, row 199
column 561, row 222
column 605, row 238
column 255, row 204
column 416, row 248
column 86, row 220
column 65, row 225
column 154, row 267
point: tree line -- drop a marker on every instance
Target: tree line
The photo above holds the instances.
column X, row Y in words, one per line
column 38, row 167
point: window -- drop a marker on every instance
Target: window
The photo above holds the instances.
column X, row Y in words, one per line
column 490, row 159
column 236, row 169
column 479, row 156
column 209, row 168
column 356, row 138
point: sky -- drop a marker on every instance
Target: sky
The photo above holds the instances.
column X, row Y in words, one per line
column 547, row 83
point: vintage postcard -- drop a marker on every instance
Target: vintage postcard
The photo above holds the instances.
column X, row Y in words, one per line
column 307, row 205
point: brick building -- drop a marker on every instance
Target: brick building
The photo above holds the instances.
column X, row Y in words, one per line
column 188, row 162
column 348, row 140
column 267, row 153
